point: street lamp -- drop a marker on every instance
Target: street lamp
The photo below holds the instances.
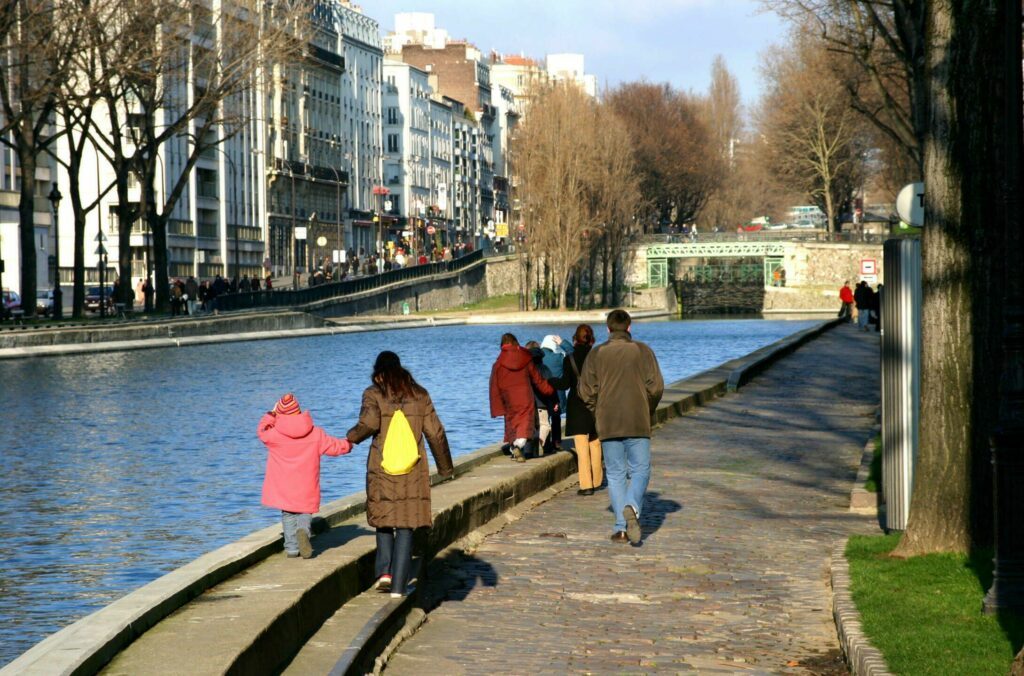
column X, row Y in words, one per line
column 55, row 197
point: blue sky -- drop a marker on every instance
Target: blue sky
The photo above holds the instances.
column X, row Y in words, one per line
column 660, row 40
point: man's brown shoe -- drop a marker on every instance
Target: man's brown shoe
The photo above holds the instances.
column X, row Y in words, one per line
column 633, row 531
column 620, row 537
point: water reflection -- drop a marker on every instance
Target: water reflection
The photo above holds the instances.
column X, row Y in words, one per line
column 120, row 467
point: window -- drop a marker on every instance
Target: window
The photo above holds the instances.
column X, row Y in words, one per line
column 392, row 115
column 392, row 143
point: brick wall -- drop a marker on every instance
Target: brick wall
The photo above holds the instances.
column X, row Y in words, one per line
column 456, row 75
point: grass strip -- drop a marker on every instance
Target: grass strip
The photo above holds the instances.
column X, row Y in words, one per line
column 924, row 613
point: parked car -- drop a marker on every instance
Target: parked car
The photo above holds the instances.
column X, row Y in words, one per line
column 12, row 301
column 805, row 225
column 92, row 298
column 44, row 302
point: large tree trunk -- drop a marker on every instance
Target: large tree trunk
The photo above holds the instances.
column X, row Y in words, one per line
column 951, row 507
column 27, row 223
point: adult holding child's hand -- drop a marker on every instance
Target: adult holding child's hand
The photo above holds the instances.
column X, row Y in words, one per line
column 398, row 413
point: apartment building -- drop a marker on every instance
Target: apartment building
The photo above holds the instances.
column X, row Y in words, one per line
column 362, row 119
column 10, row 229
column 407, row 149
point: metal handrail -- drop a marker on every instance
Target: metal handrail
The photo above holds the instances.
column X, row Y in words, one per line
column 346, row 287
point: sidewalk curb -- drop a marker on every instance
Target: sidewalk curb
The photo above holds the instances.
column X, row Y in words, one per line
column 863, row 501
column 862, row 658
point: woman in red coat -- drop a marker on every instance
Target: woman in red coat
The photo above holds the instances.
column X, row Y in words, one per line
column 513, row 378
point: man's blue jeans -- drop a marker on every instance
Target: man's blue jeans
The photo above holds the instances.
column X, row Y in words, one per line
column 627, row 464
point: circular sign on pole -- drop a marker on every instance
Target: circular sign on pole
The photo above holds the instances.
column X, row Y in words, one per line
column 321, row 241
column 431, row 230
column 910, row 204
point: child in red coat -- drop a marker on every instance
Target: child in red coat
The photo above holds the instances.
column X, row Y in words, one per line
column 292, row 482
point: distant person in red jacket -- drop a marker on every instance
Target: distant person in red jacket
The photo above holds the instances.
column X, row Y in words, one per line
column 513, row 379
column 846, row 298
column 292, row 482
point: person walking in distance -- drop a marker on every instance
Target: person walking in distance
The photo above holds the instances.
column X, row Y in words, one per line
column 513, row 377
column 398, row 501
column 621, row 384
column 846, row 298
column 579, row 421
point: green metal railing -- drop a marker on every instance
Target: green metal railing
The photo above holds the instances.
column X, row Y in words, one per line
column 346, row 287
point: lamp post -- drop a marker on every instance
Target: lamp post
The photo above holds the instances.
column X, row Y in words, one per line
column 58, row 309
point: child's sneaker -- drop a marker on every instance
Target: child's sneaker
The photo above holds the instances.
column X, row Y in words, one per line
column 305, row 546
column 384, row 583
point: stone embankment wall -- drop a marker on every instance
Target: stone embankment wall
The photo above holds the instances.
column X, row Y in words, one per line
column 720, row 297
column 504, row 275
column 440, row 292
column 266, row 320
column 826, row 264
column 814, row 273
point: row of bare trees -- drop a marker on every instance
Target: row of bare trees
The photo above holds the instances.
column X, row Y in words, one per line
column 592, row 175
column 577, row 185
column 131, row 80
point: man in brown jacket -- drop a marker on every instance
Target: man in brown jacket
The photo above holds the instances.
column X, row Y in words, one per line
column 622, row 384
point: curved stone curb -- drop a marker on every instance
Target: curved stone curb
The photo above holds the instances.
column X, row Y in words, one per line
column 863, row 658
column 763, row 358
column 91, row 642
column 863, row 501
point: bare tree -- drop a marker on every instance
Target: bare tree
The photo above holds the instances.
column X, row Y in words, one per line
column 178, row 75
column 724, row 111
column 884, row 42
column 673, row 149
column 816, row 141
column 576, row 180
column 33, row 63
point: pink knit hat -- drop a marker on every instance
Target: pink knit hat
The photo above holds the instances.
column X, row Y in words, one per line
column 288, row 405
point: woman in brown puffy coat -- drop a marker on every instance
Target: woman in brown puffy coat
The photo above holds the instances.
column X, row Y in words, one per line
column 396, row 505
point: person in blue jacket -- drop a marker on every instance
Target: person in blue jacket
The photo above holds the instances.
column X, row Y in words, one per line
column 554, row 351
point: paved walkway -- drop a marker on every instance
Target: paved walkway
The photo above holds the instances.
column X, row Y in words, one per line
column 746, row 497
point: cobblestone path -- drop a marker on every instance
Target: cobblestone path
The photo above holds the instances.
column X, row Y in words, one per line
column 746, row 497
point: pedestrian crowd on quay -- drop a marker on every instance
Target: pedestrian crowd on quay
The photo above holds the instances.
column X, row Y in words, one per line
column 608, row 393
column 861, row 304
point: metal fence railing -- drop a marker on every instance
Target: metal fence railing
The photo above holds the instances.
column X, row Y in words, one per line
column 900, row 303
column 346, row 287
column 789, row 235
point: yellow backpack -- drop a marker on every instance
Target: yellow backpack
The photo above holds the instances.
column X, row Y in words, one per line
column 401, row 453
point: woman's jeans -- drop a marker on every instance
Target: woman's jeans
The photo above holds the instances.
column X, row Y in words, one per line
column 291, row 522
column 394, row 556
column 627, row 464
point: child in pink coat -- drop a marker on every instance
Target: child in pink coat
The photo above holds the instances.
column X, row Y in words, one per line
column 292, row 482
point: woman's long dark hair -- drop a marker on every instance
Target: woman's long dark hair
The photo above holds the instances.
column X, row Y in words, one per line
column 395, row 381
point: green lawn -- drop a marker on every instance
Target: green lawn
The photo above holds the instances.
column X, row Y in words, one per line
column 924, row 613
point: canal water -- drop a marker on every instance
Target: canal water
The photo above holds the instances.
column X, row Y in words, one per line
column 119, row 467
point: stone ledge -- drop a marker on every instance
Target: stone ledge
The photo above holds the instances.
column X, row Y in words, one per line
column 766, row 356
column 862, row 658
column 863, row 501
